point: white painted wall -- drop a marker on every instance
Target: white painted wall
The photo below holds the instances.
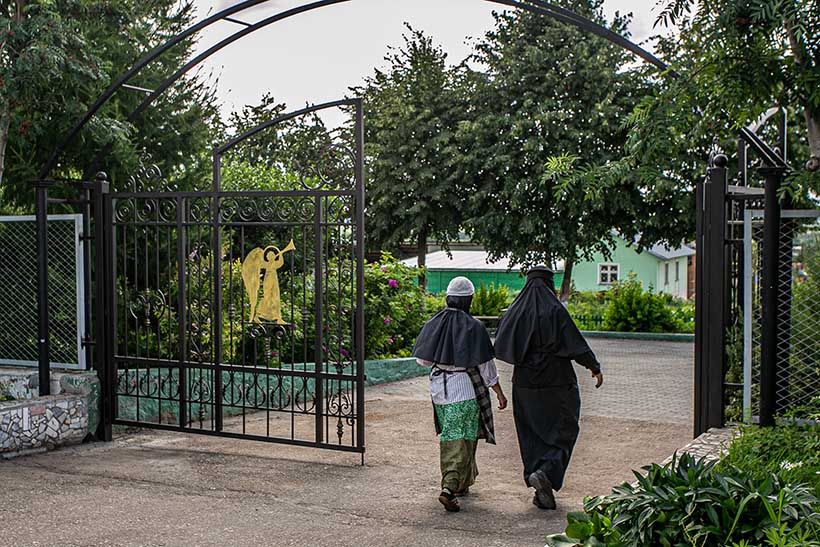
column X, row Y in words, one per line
column 676, row 284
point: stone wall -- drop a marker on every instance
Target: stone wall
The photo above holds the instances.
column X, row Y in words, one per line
column 42, row 423
column 22, row 384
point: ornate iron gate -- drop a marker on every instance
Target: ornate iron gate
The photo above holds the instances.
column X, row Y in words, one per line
column 240, row 314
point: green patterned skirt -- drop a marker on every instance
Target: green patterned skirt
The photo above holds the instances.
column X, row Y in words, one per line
column 459, row 424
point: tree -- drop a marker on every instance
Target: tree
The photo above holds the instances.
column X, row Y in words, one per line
column 550, row 102
column 300, row 147
column 732, row 60
column 411, row 110
column 57, row 57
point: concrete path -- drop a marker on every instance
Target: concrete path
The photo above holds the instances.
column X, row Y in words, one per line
column 164, row 489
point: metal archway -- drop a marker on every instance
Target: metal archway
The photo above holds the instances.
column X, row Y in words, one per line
column 535, row 6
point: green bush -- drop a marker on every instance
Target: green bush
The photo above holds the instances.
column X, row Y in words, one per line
column 587, row 309
column 489, row 301
column 791, row 452
column 395, row 308
column 631, row 309
column 689, row 502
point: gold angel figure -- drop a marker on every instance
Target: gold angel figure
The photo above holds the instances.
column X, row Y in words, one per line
column 259, row 267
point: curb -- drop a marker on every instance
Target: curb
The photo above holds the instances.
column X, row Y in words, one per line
column 654, row 336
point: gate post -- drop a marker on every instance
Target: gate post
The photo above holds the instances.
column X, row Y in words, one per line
column 101, row 308
column 710, row 299
column 770, row 298
column 43, row 335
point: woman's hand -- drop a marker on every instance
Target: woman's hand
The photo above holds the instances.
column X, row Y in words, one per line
column 502, row 399
column 502, row 402
column 599, row 379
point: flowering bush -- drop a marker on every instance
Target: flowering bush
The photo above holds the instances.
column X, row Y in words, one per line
column 395, row 308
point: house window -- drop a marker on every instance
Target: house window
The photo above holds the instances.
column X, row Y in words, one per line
column 608, row 274
column 666, row 274
column 677, row 271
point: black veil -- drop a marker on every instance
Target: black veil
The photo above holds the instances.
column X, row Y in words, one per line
column 454, row 337
column 537, row 323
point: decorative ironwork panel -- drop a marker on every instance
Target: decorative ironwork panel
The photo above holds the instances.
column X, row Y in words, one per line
column 241, row 313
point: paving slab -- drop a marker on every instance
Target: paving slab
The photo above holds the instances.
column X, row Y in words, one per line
column 155, row 488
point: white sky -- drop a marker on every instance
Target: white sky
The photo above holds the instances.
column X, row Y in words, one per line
column 317, row 56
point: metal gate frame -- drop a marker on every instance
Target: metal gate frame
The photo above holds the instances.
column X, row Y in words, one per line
column 79, row 287
column 159, row 373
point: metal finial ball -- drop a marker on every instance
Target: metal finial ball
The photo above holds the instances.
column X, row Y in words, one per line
column 721, row 160
column 101, row 175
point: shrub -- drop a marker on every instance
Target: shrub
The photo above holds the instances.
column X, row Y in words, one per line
column 791, row 452
column 631, row 309
column 688, row 502
column 395, row 308
column 489, row 301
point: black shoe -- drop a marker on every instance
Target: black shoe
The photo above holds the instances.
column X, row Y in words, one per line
column 544, row 496
column 449, row 501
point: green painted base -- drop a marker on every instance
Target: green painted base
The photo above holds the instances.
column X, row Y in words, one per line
column 243, row 394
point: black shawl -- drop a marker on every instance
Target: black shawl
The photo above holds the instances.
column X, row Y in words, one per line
column 454, row 337
column 537, row 323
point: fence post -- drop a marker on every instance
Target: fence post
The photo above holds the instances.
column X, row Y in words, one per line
column 101, row 319
column 43, row 335
column 770, row 299
column 710, row 298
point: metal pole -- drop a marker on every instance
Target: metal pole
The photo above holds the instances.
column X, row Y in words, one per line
column 359, row 330
column 216, row 311
column 43, row 337
column 88, row 337
column 747, row 315
column 710, row 303
column 101, row 311
column 769, row 294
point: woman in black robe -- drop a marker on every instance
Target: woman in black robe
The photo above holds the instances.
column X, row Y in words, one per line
column 537, row 336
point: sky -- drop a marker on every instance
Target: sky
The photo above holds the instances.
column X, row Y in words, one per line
column 317, row 56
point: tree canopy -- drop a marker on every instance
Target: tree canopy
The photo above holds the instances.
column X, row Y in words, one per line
column 731, row 61
column 56, row 57
column 550, row 101
column 412, row 109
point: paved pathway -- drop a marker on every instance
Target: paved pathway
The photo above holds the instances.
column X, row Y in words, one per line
column 165, row 489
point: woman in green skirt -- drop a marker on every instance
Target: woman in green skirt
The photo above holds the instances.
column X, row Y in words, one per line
column 459, row 353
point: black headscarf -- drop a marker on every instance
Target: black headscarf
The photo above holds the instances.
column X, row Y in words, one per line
column 454, row 337
column 537, row 323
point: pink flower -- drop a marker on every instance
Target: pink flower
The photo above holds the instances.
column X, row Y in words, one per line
column 390, row 341
column 344, row 352
column 393, row 283
column 388, row 320
column 383, row 269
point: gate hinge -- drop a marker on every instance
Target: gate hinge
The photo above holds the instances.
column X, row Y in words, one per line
column 88, row 341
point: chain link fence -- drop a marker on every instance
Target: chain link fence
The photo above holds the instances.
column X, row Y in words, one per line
column 798, row 328
column 18, row 291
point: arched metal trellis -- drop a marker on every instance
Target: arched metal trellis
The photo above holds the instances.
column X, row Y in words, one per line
column 182, row 205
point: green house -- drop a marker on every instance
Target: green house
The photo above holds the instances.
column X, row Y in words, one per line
column 475, row 266
column 665, row 270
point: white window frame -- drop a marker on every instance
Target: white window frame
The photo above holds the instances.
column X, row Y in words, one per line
column 666, row 274
column 612, row 268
